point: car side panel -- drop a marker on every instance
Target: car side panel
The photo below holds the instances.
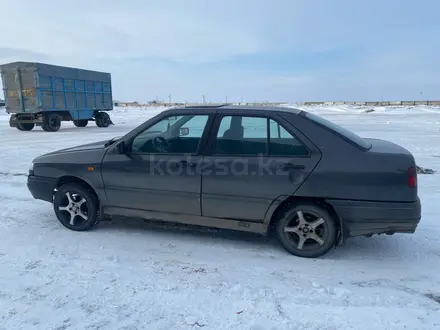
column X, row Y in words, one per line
column 244, row 188
column 158, row 183
column 335, row 175
column 346, row 172
column 152, row 183
column 85, row 165
column 247, row 196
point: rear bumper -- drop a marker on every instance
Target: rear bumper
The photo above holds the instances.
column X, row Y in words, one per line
column 360, row 218
column 41, row 187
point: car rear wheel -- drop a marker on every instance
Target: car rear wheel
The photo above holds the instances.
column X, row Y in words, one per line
column 306, row 230
column 76, row 207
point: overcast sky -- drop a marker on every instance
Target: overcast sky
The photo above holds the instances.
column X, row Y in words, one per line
column 277, row 50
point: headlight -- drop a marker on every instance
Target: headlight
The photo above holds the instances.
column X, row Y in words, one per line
column 31, row 168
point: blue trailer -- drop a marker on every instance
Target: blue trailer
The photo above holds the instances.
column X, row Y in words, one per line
column 38, row 94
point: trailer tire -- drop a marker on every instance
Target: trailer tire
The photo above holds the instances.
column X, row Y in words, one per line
column 102, row 119
column 80, row 123
column 52, row 123
column 25, row 127
column 98, row 120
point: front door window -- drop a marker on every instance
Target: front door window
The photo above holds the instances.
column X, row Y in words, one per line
column 172, row 135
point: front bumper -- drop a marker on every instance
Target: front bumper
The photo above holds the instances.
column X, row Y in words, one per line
column 360, row 218
column 41, row 187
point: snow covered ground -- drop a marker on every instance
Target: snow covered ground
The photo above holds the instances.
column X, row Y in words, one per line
column 137, row 275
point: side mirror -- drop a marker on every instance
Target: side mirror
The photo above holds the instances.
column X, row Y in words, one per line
column 122, row 147
column 184, row 131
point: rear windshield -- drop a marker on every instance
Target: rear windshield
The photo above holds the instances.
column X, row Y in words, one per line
column 341, row 131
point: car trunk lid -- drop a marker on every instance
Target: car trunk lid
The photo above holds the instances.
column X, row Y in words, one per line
column 396, row 167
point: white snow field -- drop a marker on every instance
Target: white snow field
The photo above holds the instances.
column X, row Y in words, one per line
column 139, row 275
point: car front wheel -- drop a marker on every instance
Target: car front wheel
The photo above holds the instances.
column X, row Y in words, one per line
column 76, row 207
column 306, row 230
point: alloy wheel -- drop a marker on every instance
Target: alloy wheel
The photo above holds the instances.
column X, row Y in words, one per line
column 74, row 209
column 306, row 229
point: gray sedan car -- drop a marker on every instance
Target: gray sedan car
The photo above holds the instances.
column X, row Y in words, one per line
column 257, row 169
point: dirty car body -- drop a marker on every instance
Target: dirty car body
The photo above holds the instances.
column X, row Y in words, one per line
column 238, row 167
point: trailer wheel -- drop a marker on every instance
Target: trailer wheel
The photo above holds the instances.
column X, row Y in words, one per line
column 103, row 120
column 80, row 123
column 25, row 127
column 52, row 123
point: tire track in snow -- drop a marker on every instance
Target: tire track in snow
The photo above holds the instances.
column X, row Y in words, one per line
column 404, row 287
column 13, row 174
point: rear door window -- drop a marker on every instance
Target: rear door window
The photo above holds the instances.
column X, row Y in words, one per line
column 247, row 135
column 240, row 135
column 282, row 143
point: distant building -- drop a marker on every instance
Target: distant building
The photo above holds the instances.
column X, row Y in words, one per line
column 129, row 104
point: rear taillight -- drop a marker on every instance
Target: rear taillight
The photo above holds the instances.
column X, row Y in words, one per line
column 412, row 177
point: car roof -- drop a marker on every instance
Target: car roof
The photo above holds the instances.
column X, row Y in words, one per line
column 232, row 107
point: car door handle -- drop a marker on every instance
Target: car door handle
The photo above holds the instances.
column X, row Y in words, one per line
column 290, row 166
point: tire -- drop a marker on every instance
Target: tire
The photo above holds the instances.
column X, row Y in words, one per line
column 81, row 211
column 103, row 120
column 80, row 123
column 307, row 224
column 25, row 127
column 52, row 123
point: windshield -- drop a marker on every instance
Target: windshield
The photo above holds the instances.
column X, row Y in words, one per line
column 339, row 130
